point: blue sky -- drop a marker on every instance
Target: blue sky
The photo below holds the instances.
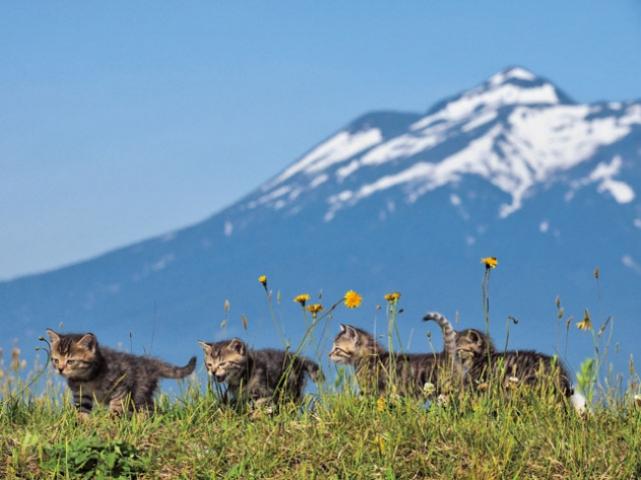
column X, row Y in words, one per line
column 121, row 120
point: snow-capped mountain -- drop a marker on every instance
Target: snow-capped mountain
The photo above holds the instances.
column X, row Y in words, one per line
column 393, row 201
column 515, row 131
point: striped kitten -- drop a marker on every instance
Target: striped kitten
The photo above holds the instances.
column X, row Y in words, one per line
column 469, row 344
column 94, row 373
column 373, row 364
column 482, row 363
column 259, row 376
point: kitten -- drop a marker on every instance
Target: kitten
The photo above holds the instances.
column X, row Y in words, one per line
column 94, row 373
column 469, row 344
column 480, row 362
column 376, row 369
column 259, row 376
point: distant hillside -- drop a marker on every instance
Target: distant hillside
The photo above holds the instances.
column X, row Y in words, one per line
column 392, row 201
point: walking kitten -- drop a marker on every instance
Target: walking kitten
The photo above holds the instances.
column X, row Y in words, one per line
column 481, row 363
column 259, row 376
column 120, row 380
column 469, row 344
column 376, row 369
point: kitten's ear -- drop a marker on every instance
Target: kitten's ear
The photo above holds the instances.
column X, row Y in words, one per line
column 349, row 331
column 237, row 345
column 53, row 336
column 88, row 341
column 205, row 346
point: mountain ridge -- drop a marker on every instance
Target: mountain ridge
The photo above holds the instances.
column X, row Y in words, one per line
column 390, row 201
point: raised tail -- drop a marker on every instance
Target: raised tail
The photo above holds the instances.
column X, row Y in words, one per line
column 449, row 334
column 167, row 370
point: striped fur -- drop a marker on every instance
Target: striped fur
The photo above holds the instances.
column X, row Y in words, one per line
column 259, row 376
column 378, row 371
column 481, row 363
column 97, row 374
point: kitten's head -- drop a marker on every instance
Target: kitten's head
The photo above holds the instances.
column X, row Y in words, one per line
column 73, row 355
column 227, row 360
column 353, row 344
column 472, row 343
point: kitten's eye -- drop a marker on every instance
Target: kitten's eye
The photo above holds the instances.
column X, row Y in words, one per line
column 56, row 361
column 71, row 362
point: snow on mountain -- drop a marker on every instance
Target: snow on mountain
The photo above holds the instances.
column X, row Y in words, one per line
column 392, row 201
column 515, row 130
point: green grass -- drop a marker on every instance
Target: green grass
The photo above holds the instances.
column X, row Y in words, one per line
column 343, row 436
column 338, row 435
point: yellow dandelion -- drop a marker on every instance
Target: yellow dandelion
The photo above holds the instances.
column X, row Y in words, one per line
column 263, row 280
column 381, row 404
column 352, row 299
column 392, row 297
column 586, row 323
column 489, row 262
column 314, row 309
column 303, row 298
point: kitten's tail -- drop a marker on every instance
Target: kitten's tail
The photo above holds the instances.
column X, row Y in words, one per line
column 449, row 334
column 167, row 370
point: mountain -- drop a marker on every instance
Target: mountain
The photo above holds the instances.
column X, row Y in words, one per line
column 393, row 201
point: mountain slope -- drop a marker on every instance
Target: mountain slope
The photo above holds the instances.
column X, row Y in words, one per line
column 392, row 201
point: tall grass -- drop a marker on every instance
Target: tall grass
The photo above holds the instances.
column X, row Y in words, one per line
column 336, row 433
column 343, row 436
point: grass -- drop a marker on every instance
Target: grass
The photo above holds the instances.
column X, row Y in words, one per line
column 340, row 435
column 336, row 434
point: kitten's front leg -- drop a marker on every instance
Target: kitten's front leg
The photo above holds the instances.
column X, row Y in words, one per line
column 83, row 401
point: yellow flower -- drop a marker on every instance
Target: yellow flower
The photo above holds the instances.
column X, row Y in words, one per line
column 263, row 280
column 314, row 308
column 489, row 262
column 381, row 404
column 303, row 298
column 586, row 323
column 352, row 299
column 392, row 297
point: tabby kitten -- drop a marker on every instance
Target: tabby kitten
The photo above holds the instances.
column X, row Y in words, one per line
column 376, row 369
column 481, row 362
column 258, row 376
column 94, row 373
column 469, row 344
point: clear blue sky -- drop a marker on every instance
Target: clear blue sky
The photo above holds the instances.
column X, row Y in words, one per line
column 121, row 119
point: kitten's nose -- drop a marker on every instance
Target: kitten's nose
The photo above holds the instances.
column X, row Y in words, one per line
column 60, row 369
